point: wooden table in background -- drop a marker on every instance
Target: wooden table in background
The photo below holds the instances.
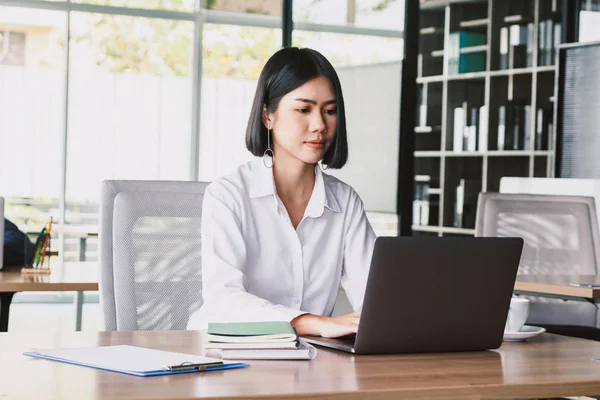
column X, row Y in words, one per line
column 559, row 286
column 76, row 276
column 81, row 232
column 548, row 366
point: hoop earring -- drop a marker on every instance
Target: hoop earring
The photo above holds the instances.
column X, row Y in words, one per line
column 324, row 167
column 268, row 152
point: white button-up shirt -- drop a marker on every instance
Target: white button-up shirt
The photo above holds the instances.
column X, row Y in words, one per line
column 257, row 267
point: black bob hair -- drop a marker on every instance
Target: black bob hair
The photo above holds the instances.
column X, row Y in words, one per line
column 286, row 70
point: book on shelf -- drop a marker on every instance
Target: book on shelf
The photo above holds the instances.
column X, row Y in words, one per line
column 543, row 128
column 421, row 200
column 527, row 127
column 459, row 127
column 550, row 36
column 518, row 36
column 539, row 128
column 549, row 42
column 542, row 43
column 514, row 127
column 465, row 203
column 556, row 42
column 467, row 62
column 467, row 128
column 516, row 46
column 517, row 132
column 472, row 130
column 550, row 131
column 501, row 128
column 504, row 48
column 459, row 204
column 482, row 143
column 421, row 107
column 530, row 43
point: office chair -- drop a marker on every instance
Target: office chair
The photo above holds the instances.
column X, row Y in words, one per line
column 150, row 254
column 561, row 237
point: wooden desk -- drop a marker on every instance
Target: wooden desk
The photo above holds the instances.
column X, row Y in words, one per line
column 77, row 277
column 559, row 286
column 82, row 232
column 548, row 366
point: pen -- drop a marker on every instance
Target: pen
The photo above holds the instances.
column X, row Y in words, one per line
column 191, row 367
column 46, row 246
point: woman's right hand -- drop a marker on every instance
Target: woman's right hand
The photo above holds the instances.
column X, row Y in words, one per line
column 329, row 327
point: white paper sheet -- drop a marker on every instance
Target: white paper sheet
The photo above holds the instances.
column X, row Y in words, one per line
column 124, row 358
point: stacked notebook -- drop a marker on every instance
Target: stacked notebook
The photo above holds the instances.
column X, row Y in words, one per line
column 275, row 340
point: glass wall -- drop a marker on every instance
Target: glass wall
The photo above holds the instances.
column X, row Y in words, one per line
column 369, row 71
column 171, row 5
column 260, row 7
column 133, row 111
column 233, row 57
column 32, row 82
column 130, row 102
column 380, row 14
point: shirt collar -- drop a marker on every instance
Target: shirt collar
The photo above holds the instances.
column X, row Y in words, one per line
column 262, row 180
column 263, row 185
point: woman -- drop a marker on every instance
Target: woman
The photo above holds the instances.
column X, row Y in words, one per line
column 279, row 235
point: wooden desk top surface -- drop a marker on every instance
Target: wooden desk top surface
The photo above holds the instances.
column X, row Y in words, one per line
column 547, row 366
column 559, row 285
column 77, row 276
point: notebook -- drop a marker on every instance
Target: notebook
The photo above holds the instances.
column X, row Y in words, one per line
column 252, row 345
column 305, row 351
column 132, row 360
column 251, row 332
column 271, row 340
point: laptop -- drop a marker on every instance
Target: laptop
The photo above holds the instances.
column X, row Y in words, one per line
column 1, row 232
column 434, row 294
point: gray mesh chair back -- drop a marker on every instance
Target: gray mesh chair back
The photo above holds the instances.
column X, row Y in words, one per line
column 150, row 254
column 1, row 232
column 561, row 238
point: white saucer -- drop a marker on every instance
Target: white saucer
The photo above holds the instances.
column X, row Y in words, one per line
column 526, row 332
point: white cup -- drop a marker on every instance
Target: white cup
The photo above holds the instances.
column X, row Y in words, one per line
column 517, row 314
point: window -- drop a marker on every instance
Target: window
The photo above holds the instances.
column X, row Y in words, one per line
column 171, row 5
column 12, row 48
column 380, row 14
column 131, row 92
column 369, row 71
column 233, row 57
column 262, row 7
column 31, row 122
column 129, row 104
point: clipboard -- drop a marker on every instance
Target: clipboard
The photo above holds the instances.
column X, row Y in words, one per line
column 132, row 360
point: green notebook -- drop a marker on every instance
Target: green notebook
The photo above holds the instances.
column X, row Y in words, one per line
column 235, row 332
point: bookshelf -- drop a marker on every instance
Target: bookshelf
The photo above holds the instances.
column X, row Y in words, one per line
column 486, row 77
